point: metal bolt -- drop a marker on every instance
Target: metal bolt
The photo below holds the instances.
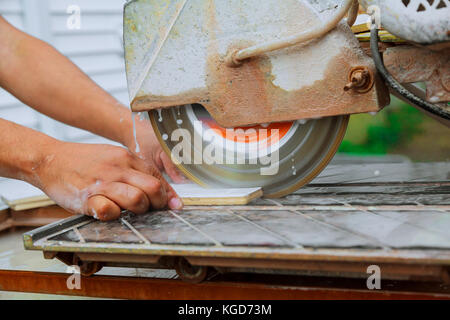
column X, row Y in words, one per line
column 360, row 79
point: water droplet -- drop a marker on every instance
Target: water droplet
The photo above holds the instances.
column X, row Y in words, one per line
column 434, row 99
column 303, row 121
column 377, row 172
column 160, row 115
column 179, row 121
column 133, row 116
column 165, row 137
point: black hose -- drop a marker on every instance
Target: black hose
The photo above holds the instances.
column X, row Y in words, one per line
column 395, row 85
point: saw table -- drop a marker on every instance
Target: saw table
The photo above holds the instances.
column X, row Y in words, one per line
column 321, row 239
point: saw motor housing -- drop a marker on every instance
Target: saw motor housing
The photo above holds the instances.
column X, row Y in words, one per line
column 176, row 51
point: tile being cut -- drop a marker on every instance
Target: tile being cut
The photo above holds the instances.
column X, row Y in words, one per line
column 19, row 195
column 195, row 195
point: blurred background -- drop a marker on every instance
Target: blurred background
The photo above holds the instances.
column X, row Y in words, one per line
column 96, row 48
column 399, row 131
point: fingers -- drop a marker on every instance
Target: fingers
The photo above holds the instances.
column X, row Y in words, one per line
column 171, row 169
column 102, row 208
column 137, row 189
column 154, row 188
column 126, row 196
column 174, row 201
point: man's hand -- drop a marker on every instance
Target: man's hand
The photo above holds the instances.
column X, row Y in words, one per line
column 97, row 180
column 102, row 180
column 149, row 150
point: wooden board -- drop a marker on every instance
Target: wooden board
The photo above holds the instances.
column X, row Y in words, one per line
column 385, row 36
column 359, row 28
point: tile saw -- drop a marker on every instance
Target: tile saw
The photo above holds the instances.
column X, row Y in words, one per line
column 259, row 93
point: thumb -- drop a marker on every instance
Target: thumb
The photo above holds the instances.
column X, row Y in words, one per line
column 102, row 208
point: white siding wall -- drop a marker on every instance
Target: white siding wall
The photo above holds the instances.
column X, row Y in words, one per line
column 96, row 48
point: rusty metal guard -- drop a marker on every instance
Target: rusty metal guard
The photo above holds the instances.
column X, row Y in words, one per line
column 175, row 55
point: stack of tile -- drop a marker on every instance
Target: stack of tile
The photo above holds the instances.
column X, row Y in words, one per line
column 19, row 195
column 4, row 216
column 195, row 195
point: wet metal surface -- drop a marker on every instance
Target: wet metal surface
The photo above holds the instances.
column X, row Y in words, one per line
column 374, row 213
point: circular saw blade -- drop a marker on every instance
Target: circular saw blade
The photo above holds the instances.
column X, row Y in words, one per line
column 279, row 157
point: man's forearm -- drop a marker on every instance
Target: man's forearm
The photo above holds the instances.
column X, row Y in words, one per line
column 22, row 151
column 44, row 79
column 97, row 180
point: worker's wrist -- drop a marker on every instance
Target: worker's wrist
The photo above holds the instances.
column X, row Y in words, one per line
column 131, row 130
column 120, row 126
column 38, row 159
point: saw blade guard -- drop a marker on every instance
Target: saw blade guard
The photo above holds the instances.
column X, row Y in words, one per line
column 176, row 54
